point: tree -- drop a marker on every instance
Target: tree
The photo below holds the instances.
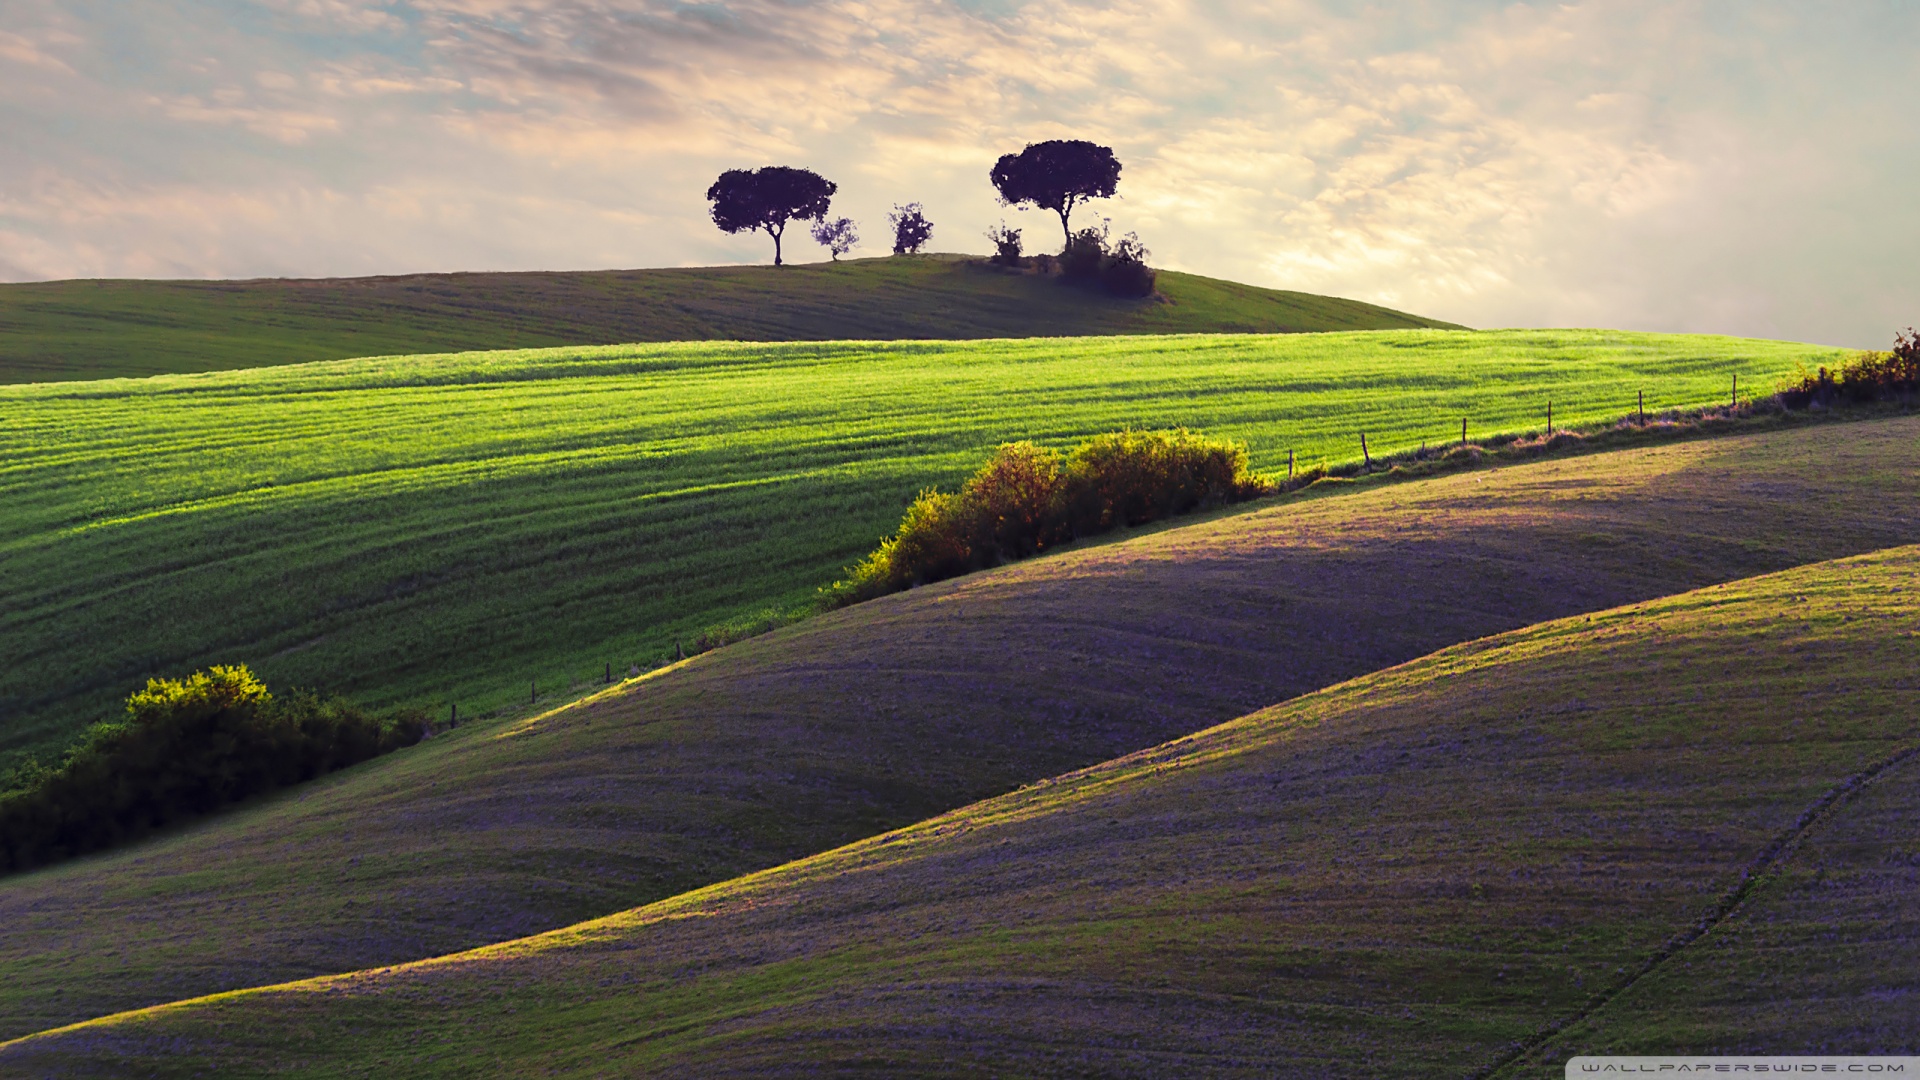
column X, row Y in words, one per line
column 745, row 200
column 911, row 229
column 1057, row 175
column 836, row 236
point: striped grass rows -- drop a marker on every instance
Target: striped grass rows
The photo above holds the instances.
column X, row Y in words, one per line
column 453, row 529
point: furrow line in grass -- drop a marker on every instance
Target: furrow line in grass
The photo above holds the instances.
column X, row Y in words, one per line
column 1757, row 870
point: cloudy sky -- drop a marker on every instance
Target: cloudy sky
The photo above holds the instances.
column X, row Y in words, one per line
column 1740, row 167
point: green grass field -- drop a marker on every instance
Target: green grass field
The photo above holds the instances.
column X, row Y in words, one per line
column 1403, row 875
column 439, row 529
column 105, row 329
column 880, row 715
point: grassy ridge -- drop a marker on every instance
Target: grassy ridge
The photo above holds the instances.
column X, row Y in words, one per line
column 426, row 529
column 889, row 712
column 106, row 329
column 1399, row 876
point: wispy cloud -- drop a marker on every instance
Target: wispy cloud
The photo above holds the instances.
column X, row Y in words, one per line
column 1719, row 166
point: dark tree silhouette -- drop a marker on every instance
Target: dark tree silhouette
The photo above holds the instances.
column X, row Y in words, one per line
column 838, row 236
column 1057, row 175
column 911, row 229
column 745, row 200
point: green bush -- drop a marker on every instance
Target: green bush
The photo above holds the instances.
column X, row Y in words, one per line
column 1027, row 499
column 187, row 747
column 1133, row 477
column 1869, row 376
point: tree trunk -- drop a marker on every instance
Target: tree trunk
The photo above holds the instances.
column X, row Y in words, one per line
column 776, row 241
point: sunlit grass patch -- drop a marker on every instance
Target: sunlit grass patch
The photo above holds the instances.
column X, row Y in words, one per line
column 491, row 529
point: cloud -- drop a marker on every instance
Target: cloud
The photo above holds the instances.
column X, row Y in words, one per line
column 22, row 50
column 1697, row 165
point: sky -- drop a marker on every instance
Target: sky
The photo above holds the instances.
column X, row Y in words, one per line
column 1748, row 168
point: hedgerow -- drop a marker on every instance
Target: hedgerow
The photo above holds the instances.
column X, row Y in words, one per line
column 1029, row 498
column 187, row 747
column 1869, row 376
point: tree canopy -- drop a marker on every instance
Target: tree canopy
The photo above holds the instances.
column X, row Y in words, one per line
column 745, row 200
column 1057, row 175
column 838, row 237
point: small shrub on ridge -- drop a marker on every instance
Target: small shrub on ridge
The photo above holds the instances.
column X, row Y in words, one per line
column 1085, row 252
column 187, row 747
column 1006, row 244
column 1869, row 376
column 1126, row 272
column 1133, row 477
column 1028, row 498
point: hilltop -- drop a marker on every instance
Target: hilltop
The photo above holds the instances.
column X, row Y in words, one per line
column 94, row 329
column 1408, row 874
column 471, row 528
column 883, row 714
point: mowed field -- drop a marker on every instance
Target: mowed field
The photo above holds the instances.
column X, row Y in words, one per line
column 880, row 715
column 1409, row 874
column 63, row 330
column 460, row 528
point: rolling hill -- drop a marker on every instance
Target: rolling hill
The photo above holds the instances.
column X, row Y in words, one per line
column 62, row 330
column 1406, row 874
column 882, row 714
column 457, row 529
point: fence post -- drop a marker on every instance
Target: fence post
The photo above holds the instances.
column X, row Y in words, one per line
column 1289, row 464
column 1643, row 408
column 533, row 692
column 1549, row 418
column 1736, row 391
column 1368, row 457
column 609, row 671
column 453, row 715
column 677, row 654
column 1463, row 433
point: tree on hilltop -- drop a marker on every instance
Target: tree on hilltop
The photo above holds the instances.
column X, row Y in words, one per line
column 837, row 236
column 911, row 229
column 746, row 200
column 1057, row 175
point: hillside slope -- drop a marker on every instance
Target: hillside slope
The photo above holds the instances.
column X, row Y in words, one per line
column 1821, row 959
column 1401, row 876
column 882, row 714
column 105, row 329
column 450, row 529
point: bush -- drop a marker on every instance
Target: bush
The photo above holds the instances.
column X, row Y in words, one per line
column 1085, row 253
column 1010, row 509
column 1133, row 477
column 1027, row 499
column 1126, row 272
column 1006, row 244
column 187, row 747
column 1869, row 376
column 1122, row 268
